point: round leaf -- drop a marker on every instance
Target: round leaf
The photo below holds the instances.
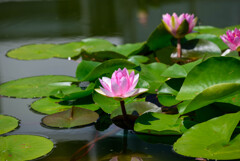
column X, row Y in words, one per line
column 212, row 72
column 159, row 38
column 105, row 68
column 159, row 124
column 30, row 52
column 152, row 74
column 51, row 106
column 71, row 118
column 24, row 147
column 139, row 107
column 31, row 87
column 7, row 124
column 211, row 139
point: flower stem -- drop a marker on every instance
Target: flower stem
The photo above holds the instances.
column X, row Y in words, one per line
column 123, row 110
column 179, row 48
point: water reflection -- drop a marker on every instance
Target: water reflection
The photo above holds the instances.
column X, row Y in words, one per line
column 133, row 20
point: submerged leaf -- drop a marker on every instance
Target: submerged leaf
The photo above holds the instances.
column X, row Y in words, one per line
column 71, row 118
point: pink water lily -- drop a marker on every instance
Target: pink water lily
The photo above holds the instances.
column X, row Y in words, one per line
column 120, row 85
column 232, row 39
column 173, row 22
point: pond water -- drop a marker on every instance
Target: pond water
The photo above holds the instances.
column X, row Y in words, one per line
column 119, row 21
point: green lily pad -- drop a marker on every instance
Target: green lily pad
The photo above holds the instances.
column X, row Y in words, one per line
column 32, row 87
column 7, row 124
column 109, row 104
column 195, row 49
column 211, row 139
column 167, row 100
column 234, row 100
column 30, row 52
column 72, row 92
column 159, row 124
column 213, row 73
column 46, row 51
column 138, row 59
column 139, row 107
column 95, row 70
column 159, row 38
column 24, row 147
column 171, row 86
column 71, row 118
column 152, row 74
column 50, row 106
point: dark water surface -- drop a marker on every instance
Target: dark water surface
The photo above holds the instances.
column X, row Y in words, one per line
column 119, row 21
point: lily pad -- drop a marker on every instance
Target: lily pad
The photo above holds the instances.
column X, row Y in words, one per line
column 195, row 49
column 168, row 100
column 94, row 70
column 139, row 107
column 109, row 104
column 72, row 92
column 159, row 38
column 171, row 86
column 152, row 74
column 211, row 139
column 32, row 87
column 24, row 147
column 210, row 73
column 180, row 71
column 46, row 51
column 30, row 52
column 159, row 124
column 71, row 118
column 7, row 124
column 51, row 106
column 138, row 59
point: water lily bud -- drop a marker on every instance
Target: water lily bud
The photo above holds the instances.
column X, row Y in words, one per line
column 179, row 26
column 121, row 84
column 232, row 39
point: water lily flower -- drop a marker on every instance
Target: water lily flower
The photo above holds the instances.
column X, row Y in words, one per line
column 173, row 23
column 121, row 84
column 232, row 39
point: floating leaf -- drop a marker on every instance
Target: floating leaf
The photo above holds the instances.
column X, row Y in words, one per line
column 113, row 52
column 30, row 52
column 71, row 118
column 152, row 74
column 168, row 100
column 234, row 100
column 24, row 147
column 139, row 107
column 196, row 49
column 51, row 106
column 210, row 73
column 171, row 86
column 109, row 104
column 31, row 87
column 7, row 124
column 159, row 124
column 211, row 139
column 72, row 92
column 159, row 38
column 95, row 70
column 128, row 49
column 175, row 71
column 138, row 59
